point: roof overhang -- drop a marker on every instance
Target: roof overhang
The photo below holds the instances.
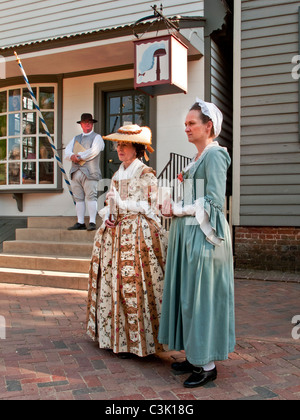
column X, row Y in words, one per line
column 100, row 51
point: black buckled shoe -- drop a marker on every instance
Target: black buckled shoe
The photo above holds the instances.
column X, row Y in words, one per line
column 200, row 377
column 183, row 367
column 78, row 226
column 91, row 226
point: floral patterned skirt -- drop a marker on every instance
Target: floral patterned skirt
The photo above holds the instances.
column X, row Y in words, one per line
column 126, row 285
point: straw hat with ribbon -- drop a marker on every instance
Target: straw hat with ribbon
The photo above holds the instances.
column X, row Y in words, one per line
column 133, row 134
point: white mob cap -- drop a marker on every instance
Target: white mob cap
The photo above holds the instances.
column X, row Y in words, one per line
column 212, row 111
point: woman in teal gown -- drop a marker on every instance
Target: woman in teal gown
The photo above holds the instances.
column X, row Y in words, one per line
column 198, row 300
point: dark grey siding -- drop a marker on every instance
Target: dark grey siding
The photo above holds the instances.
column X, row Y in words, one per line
column 270, row 147
column 221, row 91
column 221, row 95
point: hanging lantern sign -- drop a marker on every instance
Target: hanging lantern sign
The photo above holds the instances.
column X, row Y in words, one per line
column 160, row 65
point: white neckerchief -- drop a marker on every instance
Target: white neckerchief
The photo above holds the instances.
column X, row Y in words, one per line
column 127, row 173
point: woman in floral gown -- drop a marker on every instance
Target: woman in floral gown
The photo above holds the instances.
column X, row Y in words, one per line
column 128, row 259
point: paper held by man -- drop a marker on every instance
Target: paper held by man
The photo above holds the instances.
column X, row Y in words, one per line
column 79, row 148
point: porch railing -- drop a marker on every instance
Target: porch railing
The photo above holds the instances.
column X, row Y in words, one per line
column 168, row 177
column 174, row 167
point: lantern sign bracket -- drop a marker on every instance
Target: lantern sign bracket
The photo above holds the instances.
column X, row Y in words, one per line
column 158, row 17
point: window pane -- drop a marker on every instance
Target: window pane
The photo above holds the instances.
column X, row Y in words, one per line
column 127, row 119
column 29, row 148
column 45, row 149
column 3, row 154
column 14, row 124
column 27, row 100
column 47, row 97
column 112, row 146
column 29, row 123
column 139, row 120
column 114, row 105
column 127, row 104
column 14, row 149
column 3, row 102
column 3, row 126
column 14, row 173
column 114, row 124
column 29, row 173
column 46, row 173
column 15, row 100
column 140, row 103
column 3, row 174
column 49, row 120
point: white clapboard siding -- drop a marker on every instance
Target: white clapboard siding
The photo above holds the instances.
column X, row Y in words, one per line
column 270, row 145
column 24, row 21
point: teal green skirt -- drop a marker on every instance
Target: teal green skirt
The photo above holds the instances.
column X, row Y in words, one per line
column 198, row 300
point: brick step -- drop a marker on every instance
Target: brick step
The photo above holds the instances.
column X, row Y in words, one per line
column 54, row 235
column 78, row 281
column 43, row 262
column 56, row 222
column 46, row 253
column 66, row 249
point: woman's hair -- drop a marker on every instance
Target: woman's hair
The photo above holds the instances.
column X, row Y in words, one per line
column 140, row 150
column 203, row 118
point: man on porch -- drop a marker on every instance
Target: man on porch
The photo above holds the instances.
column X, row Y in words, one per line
column 84, row 153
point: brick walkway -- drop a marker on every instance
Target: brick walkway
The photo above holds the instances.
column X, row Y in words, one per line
column 46, row 354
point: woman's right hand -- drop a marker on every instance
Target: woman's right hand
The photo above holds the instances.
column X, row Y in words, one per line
column 109, row 224
column 167, row 208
